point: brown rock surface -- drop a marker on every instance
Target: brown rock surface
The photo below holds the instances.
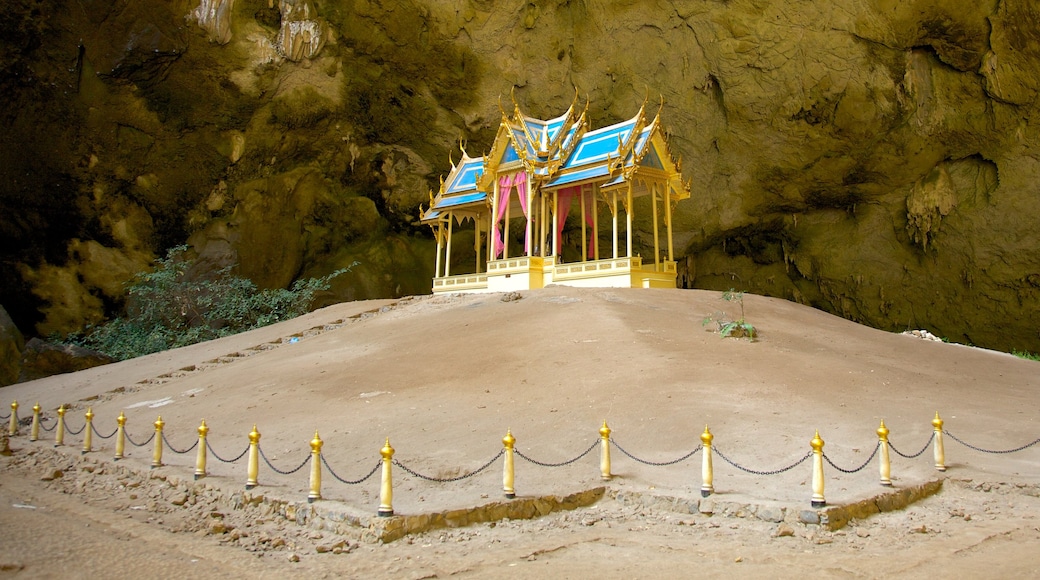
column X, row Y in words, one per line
column 42, row 359
column 872, row 159
column 11, row 345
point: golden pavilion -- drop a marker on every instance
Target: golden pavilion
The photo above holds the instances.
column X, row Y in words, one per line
column 535, row 174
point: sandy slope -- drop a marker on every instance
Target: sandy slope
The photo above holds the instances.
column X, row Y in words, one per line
column 444, row 377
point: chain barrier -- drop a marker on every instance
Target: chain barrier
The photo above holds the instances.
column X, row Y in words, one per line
column 993, row 451
column 44, row 427
column 562, row 463
column 346, row 481
column 221, row 459
column 915, row 455
column 754, row 472
column 96, row 432
column 146, row 441
column 857, row 469
column 69, row 429
column 5, row 417
column 279, row 471
column 655, row 463
column 501, row 452
column 174, row 449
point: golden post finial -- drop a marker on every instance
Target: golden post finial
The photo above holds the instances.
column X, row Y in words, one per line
column 604, row 452
column 884, row 464
column 12, row 427
column 707, row 471
column 939, row 451
column 315, row 488
column 253, row 462
column 200, row 455
column 157, row 450
column 507, row 469
column 386, row 486
column 88, row 431
column 120, row 436
column 34, row 432
column 818, row 500
column 59, row 430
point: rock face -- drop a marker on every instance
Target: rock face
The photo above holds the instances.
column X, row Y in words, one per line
column 43, row 359
column 11, row 345
column 873, row 159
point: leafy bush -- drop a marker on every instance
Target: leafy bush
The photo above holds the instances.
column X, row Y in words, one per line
column 169, row 308
column 739, row 328
column 1026, row 354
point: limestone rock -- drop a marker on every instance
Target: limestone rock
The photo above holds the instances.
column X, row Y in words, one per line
column 42, row 359
column 11, row 345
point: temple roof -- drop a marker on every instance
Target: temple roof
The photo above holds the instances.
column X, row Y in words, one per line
column 560, row 152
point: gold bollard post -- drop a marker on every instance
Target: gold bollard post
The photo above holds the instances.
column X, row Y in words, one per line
column 200, row 455
column 157, row 453
column 120, row 436
column 34, row 433
column 884, row 464
column 604, row 452
column 59, row 430
column 88, row 432
column 707, row 473
column 940, row 453
column 315, row 492
column 386, row 488
column 12, row 426
column 817, row 471
column 253, row 465
column 507, row 468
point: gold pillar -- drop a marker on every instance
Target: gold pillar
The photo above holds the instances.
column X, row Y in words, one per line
column 34, row 432
column 628, row 221
column 88, row 431
column 120, row 436
column 315, row 492
column 613, row 212
column 157, row 452
column 12, row 426
column 817, row 471
column 447, row 251
column 59, row 430
column 595, row 221
column 707, row 473
column 440, row 249
column 657, row 243
column 542, row 224
column 386, row 487
column 528, row 231
column 507, row 469
column 505, row 225
column 253, row 464
column 604, row 452
column 200, row 455
column 884, row 463
column 940, row 454
column 476, row 243
column 584, row 233
column 668, row 223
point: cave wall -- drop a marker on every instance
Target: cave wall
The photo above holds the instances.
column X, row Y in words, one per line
column 876, row 159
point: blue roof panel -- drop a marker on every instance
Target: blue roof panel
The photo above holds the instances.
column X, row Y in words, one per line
column 457, row 200
column 594, row 172
column 466, row 178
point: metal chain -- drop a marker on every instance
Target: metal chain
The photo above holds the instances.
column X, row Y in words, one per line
column 451, row 479
column 996, row 452
column 861, row 467
column 915, row 455
column 174, row 449
column 348, row 482
column 655, row 463
column 44, row 427
column 221, row 459
column 69, row 429
column 5, row 417
column 279, row 471
column 562, row 463
column 96, row 432
column 146, row 441
column 754, row 472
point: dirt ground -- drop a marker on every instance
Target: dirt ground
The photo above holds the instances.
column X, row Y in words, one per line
column 444, row 377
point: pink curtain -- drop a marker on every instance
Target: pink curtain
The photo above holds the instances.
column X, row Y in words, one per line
column 520, row 182
column 506, row 183
column 564, row 197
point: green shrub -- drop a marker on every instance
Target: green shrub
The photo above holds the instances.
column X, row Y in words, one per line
column 1026, row 354
column 169, row 308
column 739, row 328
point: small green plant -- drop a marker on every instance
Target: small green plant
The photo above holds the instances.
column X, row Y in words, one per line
column 739, row 328
column 173, row 306
column 1026, row 354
